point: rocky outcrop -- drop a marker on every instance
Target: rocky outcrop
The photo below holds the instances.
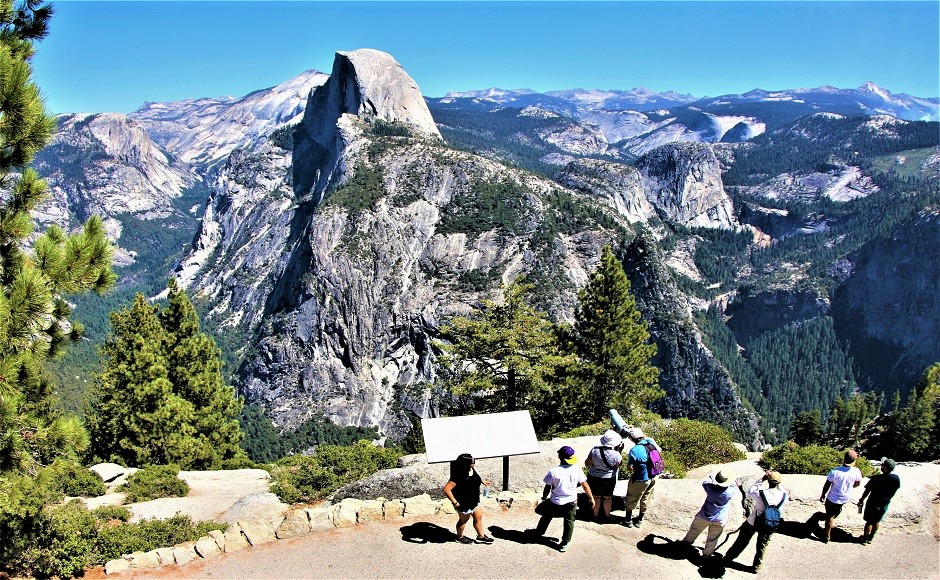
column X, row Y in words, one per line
column 365, row 83
column 620, row 186
column 683, row 182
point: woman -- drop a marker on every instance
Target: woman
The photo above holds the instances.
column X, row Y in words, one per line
column 463, row 491
column 602, row 464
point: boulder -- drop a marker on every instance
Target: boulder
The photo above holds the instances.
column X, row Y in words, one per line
column 108, row 472
column 219, row 538
column 185, row 554
column 261, row 506
column 370, row 511
column 297, row 523
column 235, row 540
column 117, row 565
column 345, row 513
column 421, row 505
column 207, row 548
column 143, row 559
column 166, row 556
column 393, row 510
column 320, row 517
column 258, row 532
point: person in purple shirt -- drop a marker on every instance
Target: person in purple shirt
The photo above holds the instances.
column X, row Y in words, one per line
column 714, row 512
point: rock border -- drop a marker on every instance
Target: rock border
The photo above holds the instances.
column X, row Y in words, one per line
column 302, row 520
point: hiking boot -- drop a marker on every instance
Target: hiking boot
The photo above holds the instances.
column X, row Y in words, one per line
column 563, row 548
column 485, row 540
column 637, row 522
column 755, row 568
column 627, row 523
column 464, row 540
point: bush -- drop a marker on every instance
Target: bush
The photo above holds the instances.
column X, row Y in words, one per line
column 107, row 513
column 688, row 444
column 810, row 459
column 64, row 543
column 75, row 480
column 154, row 482
column 305, row 478
column 147, row 535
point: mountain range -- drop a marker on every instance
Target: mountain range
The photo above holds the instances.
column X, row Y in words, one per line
column 329, row 226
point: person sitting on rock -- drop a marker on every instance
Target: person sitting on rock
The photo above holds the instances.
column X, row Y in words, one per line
column 714, row 512
column 881, row 488
column 775, row 496
column 463, row 491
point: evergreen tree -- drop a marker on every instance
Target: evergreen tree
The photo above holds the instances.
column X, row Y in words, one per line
column 506, row 357
column 915, row 428
column 612, row 343
column 161, row 398
column 807, row 428
column 34, row 316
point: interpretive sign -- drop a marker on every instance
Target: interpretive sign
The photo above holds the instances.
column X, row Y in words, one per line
column 489, row 435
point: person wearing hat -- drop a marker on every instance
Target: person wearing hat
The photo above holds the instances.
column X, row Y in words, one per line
column 837, row 490
column 560, row 496
column 642, row 485
column 714, row 512
column 602, row 464
column 774, row 495
column 881, row 488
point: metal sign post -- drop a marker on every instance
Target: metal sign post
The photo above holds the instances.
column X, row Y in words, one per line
column 483, row 436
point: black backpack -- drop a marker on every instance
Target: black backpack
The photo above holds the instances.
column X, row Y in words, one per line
column 769, row 521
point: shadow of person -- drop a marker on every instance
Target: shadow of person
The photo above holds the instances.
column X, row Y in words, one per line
column 522, row 537
column 666, row 548
column 713, row 567
column 426, row 533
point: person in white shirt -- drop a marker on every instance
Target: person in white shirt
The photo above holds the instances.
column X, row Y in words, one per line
column 837, row 491
column 562, row 483
column 774, row 495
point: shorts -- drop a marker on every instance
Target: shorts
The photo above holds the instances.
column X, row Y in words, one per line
column 833, row 509
column 874, row 513
column 602, row 486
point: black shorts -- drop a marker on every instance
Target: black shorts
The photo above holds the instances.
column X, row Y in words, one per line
column 833, row 509
column 874, row 513
column 602, row 486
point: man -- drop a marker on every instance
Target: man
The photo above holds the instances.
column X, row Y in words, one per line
column 714, row 512
column 562, row 483
column 838, row 489
column 882, row 488
column 641, row 487
column 775, row 496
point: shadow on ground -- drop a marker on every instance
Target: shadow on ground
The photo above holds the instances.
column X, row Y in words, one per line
column 426, row 533
column 522, row 537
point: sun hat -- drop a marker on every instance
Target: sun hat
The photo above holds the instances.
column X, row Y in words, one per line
column 721, row 479
column 774, row 476
column 611, row 439
column 635, row 433
column 566, row 454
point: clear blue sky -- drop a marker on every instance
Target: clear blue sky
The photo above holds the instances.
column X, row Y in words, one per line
column 114, row 56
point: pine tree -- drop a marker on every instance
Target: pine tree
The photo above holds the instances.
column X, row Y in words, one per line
column 161, row 398
column 915, row 428
column 612, row 343
column 807, row 428
column 506, row 357
column 34, row 316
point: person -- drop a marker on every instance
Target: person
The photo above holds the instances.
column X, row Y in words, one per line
column 642, row 486
column 714, row 512
column 560, row 496
column 603, row 463
column 774, row 495
column 881, row 488
column 838, row 489
column 463, row 491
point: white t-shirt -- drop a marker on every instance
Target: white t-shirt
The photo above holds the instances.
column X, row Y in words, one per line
column 564, row 480
column 843, row 479
column 774, row 495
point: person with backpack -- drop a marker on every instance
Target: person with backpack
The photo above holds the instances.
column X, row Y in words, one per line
column 879, row 490
column 719, row 492
column 645, row 463
column 603, row 463
column 764, row 519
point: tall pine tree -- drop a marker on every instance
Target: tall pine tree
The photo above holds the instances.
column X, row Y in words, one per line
column 34, row 316
column 161, row 397
column 507, row 356
column 612, row 343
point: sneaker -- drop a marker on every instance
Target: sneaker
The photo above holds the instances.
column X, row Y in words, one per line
column 627, row 523
column 867, row 542
column 755, row 568
column 485, row 540
column 563, row 548
column 637, row 522
column 464, row 540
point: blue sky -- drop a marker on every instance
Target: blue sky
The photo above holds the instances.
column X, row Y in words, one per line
column 114, row 56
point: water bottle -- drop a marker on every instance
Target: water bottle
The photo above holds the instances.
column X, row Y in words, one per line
column 486, row 491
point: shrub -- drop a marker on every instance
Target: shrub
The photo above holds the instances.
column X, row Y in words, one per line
column 64, row 543
column 305, row 478
column 147, row 535
column 106, row 513
column 586, row 430
column 810, row 459
column 75, row 480
column 688, row 444
column 154, row 482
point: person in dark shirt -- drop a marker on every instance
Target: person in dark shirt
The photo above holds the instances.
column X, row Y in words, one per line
column 879, row 490
column 463, row 491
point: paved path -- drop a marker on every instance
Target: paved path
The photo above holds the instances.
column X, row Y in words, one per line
column 424, row 548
